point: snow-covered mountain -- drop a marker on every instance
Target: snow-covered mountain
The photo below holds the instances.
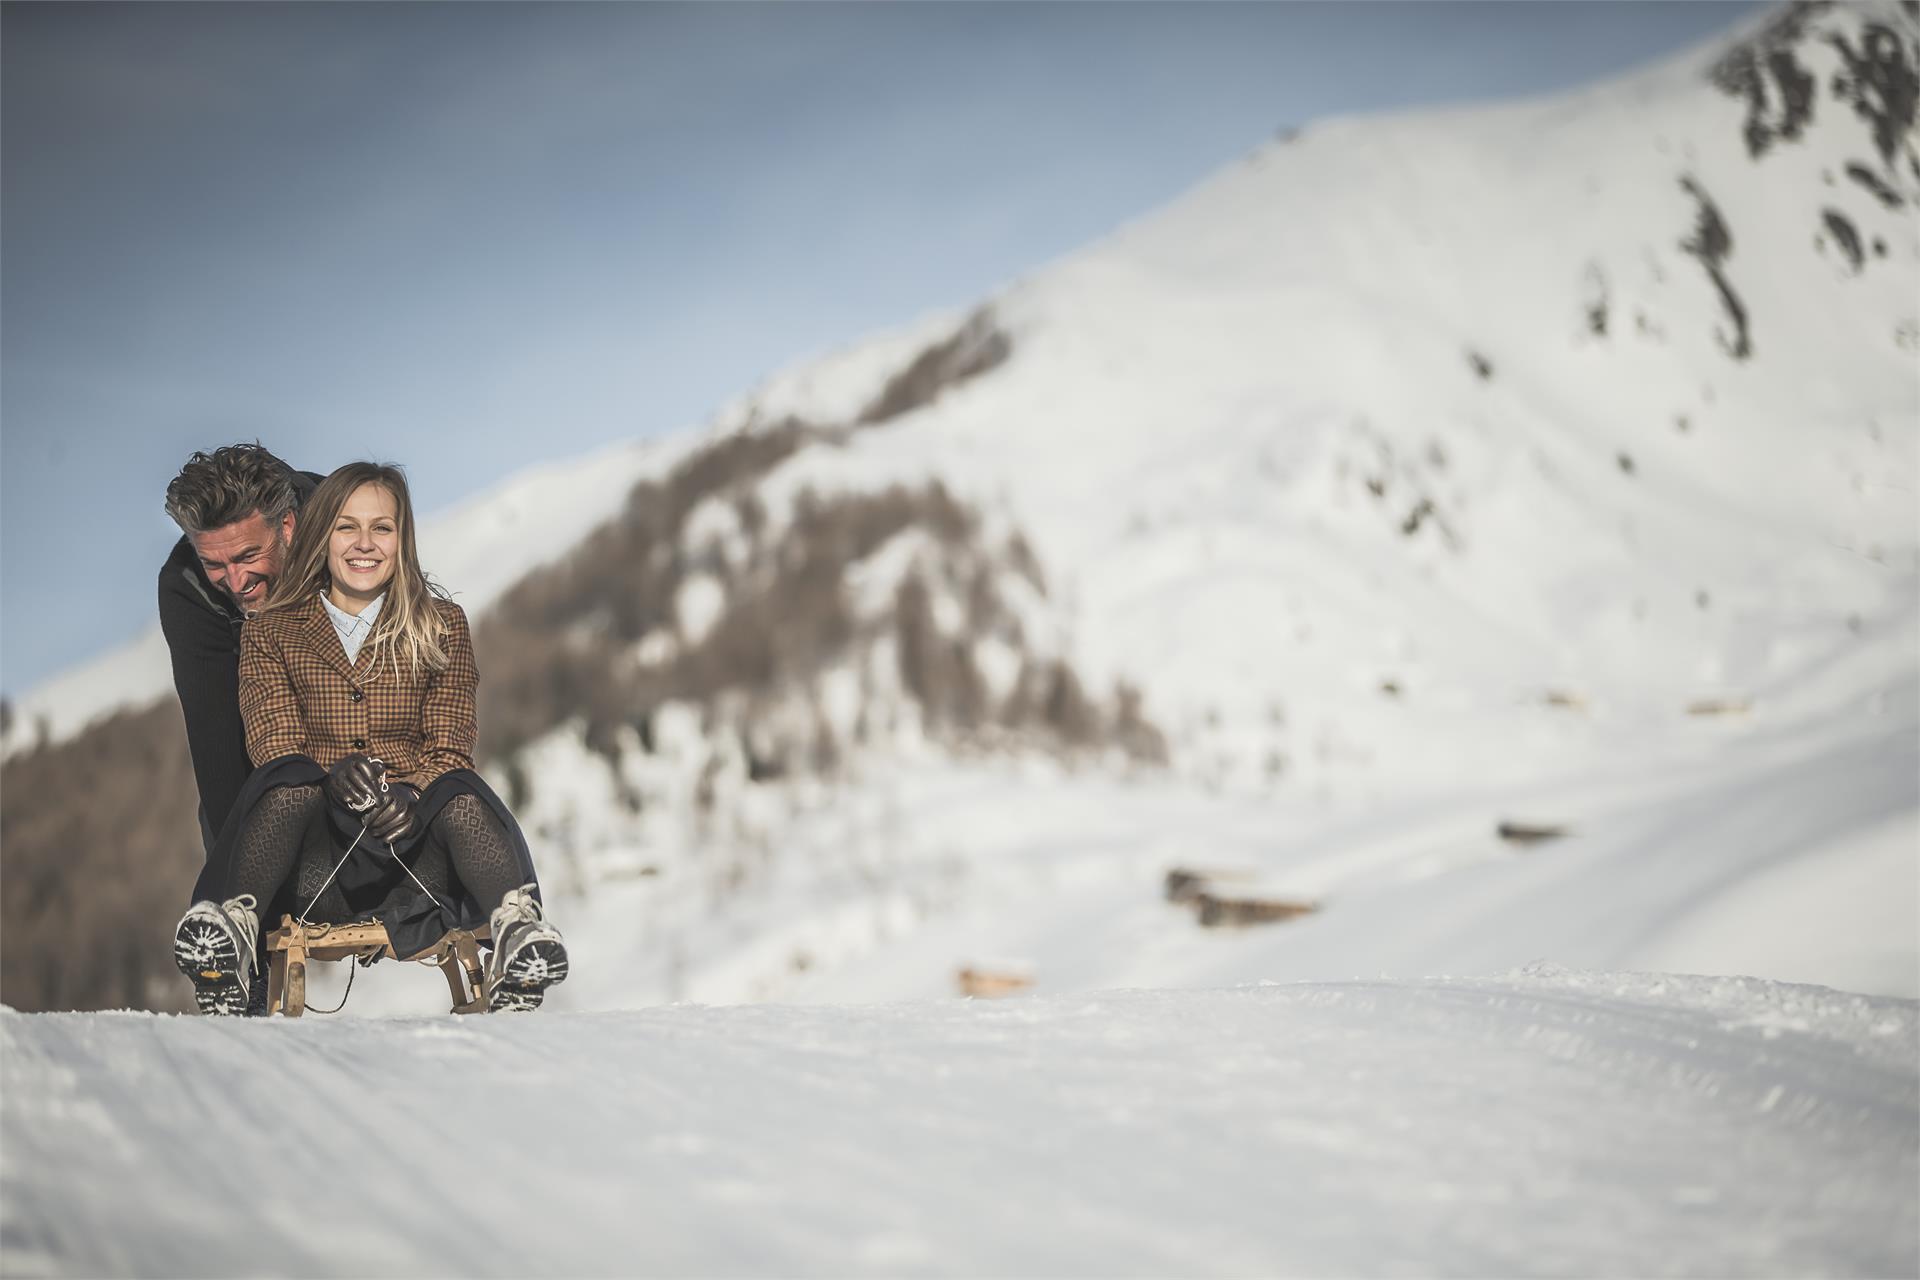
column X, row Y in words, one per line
column 1546, row 466
column 1549, row 464
column 1438, row 544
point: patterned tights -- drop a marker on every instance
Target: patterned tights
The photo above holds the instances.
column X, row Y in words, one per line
column 287, row 836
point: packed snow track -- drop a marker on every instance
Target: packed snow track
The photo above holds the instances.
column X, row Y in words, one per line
column 1545, row 1123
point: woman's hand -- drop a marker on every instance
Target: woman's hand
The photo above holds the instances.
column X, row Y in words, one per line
column 394, row 818
column 355, row 782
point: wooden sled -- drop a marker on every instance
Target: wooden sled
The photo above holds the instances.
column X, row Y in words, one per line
column 293, row 944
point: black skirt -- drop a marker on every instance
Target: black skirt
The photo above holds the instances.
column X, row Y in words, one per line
column 372, row 880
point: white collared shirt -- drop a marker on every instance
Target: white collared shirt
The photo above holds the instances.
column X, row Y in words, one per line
column 353, row 631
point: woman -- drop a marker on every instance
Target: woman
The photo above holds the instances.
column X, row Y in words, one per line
column 357, row 686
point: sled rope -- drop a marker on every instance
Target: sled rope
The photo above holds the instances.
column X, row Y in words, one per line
column 323, row 888
column 331, row 874
column 343, row 995
column 431, row 895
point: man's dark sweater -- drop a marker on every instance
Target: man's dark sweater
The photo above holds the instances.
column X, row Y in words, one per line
column 202, row 626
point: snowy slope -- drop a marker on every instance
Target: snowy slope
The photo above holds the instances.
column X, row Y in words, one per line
column 1627, row 583
column 1791, row 856
column 1196, row 407
column 1543, row 1123
column 1551, row 462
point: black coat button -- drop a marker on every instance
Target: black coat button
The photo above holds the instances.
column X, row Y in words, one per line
column 359, row 744
column 356, row 695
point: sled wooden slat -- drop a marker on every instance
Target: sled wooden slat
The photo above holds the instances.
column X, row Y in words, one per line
column 293, row 944
column 464, row 954
column 293, row 993
column 276, row 976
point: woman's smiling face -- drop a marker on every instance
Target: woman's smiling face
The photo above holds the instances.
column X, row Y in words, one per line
column 364, row 547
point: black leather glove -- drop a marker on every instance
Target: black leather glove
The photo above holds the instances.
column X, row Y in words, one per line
column 393, row 819
column 355, row 782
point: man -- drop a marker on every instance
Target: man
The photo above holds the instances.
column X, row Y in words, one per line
column 236, row 508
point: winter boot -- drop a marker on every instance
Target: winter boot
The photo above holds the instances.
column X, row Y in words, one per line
column 214, row 947
column 528, row 955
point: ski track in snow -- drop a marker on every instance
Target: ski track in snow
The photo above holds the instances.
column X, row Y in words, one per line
column 1545, row 1122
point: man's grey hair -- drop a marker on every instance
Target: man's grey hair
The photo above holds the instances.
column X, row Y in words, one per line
column 215, row 489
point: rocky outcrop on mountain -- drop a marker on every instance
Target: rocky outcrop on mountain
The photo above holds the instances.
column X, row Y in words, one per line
column 1812, row 61
column 1712, row 244
column 1765, row 70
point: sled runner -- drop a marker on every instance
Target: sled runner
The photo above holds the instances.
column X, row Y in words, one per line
column 293, row 944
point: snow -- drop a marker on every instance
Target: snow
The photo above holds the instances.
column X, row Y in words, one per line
column 1541, row 1123
column 1850, row 889
column 698, row 605
column 482, row 546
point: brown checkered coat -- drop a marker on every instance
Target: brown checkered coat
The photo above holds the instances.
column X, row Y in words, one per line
column 298, row 694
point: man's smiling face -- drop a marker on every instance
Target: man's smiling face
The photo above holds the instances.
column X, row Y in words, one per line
column 244, row 557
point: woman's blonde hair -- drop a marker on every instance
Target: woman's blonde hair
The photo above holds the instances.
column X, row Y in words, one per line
column 409, row 625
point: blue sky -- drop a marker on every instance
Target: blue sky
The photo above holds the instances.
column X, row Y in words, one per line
column 470, row 237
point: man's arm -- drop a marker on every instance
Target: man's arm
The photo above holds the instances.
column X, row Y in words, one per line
column 206, row 677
